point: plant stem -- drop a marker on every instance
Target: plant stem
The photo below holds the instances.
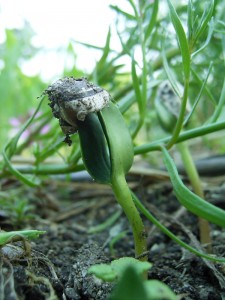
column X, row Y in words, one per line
column 124, row 198
column 152, row 219
column 180, row 120
column 187, row 135
column 143, row 96
column 204, row 227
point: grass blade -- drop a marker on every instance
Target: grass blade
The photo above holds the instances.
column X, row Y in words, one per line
column 153, row 20
column 188, row 199
column 136, row 86
column 170, row 74
column 198, row 96
column 11, row 148
column 205, row 20
column 119, row 11
column 182, row 40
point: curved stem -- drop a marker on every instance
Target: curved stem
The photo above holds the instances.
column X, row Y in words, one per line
column 124, row 198
column 152, row 219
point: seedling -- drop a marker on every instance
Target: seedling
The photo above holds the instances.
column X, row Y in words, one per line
column 15, row 236
column 106, row 145
column 107, row 152
column 21, row 235
column 128, row 274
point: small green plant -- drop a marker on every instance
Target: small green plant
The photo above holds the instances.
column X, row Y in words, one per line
column 106, row 145
column 23, row 236
column 17, row 209
column 191, row 54
column 19, row 235
column 128, row 274
column 108, row 155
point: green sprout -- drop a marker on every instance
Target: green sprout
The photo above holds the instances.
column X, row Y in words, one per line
column 105, row 141
column 106, row 149
column 19, row 235
column 128, row 273
column 23, row 236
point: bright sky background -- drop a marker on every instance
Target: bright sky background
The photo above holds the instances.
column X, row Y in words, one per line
column 55, row 23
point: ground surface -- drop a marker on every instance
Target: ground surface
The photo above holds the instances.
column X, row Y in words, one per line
column 57, row 265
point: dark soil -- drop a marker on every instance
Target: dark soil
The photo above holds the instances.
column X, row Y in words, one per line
column 56, row 267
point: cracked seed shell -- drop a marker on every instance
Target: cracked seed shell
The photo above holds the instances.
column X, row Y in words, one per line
column 73, row 99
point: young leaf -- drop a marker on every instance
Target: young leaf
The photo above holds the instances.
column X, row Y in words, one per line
column 170, row 74
column 118, row 138
column 119, row 11
column 7, row 237
column 198, row 97
column 152, row 22
column 204, row 21
column 198, row 80
column 190, row 19
column 106, row 51
column 188, row 199
column 220, row 105
column 135, row 82
column 94, row 148
column 182, row 40
column 130, row 287
column 104, row 272
column 158, row 290
column 117, row 267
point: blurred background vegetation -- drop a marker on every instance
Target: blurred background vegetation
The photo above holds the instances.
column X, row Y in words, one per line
column 144, row 38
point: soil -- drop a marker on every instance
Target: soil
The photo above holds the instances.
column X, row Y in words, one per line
column 56, row 265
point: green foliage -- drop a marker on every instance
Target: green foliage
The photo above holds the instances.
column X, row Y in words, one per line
column 13, row 236
column 102, row 161
column 188, row 199
column 152, row 219
column 115, row 270
column 130, row 287
column 10, row 149
column 162, row 40
column 18, row 91
column 119, row 140
column 181, row 36
column 157, row 290
column 108, row 223
column 94, row 149
column 18, row 210
column 129, row 276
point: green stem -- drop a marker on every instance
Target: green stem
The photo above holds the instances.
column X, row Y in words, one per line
column 220, row 105
column 204, row 227
column 181, row 116
column 184, row 136
column 124, row 198
column 138, row 127
column 190, row 168
column 144, row 88
column 45, row 169
column 152, row 219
